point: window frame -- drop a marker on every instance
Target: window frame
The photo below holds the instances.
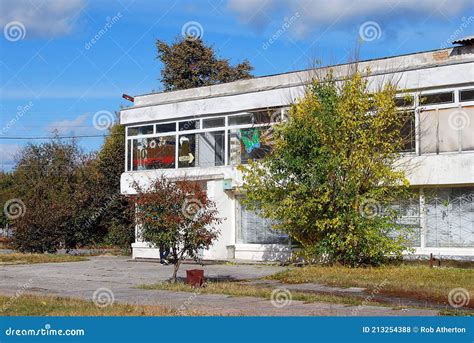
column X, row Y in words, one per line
column 417, row 108
column 226, row 128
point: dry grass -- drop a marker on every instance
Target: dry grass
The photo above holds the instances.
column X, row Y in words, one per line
column 420, row 282
column 31, row 305
column 238, row 289
column 17, row 258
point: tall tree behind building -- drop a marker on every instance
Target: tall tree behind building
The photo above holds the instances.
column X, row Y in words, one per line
column 189, row 63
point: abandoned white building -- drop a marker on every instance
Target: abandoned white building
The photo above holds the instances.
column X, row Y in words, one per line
column 206, row 132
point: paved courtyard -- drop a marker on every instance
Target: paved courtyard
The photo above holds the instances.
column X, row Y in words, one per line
column 121, row 275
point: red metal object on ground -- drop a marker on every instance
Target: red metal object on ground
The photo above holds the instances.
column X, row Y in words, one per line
column 195, row 277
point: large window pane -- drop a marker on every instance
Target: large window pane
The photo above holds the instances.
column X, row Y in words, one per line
column 186, row 151
column 210, row 149
column 203, row 149
column 253, row 229
column 154, row 153
column 249, row 144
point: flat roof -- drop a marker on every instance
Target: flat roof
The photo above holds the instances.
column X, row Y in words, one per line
column 377, row 66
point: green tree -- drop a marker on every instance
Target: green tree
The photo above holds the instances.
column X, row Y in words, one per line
column 189, row 63
column 6, row 194
column 177, row 215
column 112, row 212
column 55, row 186
column 330, row 179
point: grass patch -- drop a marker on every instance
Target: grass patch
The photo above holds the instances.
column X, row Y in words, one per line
column 32, row 305
column 239, row 289
column 419, row 282
column 18, row 258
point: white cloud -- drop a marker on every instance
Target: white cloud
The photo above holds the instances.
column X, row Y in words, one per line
column 81, row 125
column 57, row 93
column 316, row 13
column 8, row 152
column 43, row 18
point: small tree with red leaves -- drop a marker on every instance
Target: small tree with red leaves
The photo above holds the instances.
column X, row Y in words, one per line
column 178, row 215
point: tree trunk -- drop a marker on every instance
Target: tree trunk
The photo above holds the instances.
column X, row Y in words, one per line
column 175, row 270
column 177, row 263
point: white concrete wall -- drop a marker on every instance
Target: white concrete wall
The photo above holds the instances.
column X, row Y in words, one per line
column 215, row 190
column 437, row 170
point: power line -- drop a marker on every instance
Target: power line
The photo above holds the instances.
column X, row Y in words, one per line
column 62, row 137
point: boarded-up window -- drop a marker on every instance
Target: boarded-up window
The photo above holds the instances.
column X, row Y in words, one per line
column 428, row 131
column 467, row 133
column 448, row 136
column 447, row 130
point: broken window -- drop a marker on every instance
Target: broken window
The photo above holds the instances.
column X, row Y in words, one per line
column 437, row 98
column 408, row 132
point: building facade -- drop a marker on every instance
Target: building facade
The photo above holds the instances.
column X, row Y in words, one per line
column 205, row 133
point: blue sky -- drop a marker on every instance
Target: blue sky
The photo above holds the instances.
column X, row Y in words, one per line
column 54, row 76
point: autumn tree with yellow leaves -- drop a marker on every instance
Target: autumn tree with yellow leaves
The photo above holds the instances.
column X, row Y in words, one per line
column 331, row 177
